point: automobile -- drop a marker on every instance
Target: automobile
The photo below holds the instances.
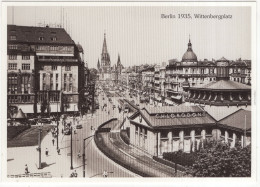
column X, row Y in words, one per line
column 79, row 126
column 45, row 120
column 67, row 131
column 32, row 121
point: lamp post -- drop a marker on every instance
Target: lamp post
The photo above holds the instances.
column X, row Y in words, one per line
column 57, row 127
column 39, row 147
column 71, row 150
column 84, row 160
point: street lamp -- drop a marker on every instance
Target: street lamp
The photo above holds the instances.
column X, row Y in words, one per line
column 71, row 163
column 39, row 147
column 57, row 127
column 84, row 160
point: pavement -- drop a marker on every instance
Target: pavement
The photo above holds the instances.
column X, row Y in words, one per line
column 59, row 164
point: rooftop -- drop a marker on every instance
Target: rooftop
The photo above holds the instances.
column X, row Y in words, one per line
column 223, row 85
column 240, row 119
column 153, row 121
column 44, row 35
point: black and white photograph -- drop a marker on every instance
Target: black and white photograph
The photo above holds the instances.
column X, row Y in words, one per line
column 129, row 90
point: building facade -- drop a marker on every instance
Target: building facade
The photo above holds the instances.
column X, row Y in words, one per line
column 53, row 65
column 156, row 130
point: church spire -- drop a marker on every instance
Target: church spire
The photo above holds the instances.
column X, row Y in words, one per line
column 189, row 45
column 118, row 60
column 98, row 64
column 104, row 50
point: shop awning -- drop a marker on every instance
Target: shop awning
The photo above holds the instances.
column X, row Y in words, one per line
column 178, row 97
column 158, row 98
column 20, row 115
column 27, row 108
column 169, row 102
column 54, row 107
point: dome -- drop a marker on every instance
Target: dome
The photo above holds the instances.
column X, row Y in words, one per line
column 189, row 55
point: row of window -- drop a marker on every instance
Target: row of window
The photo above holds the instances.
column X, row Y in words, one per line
column 14, row 57
column 54, row 48
column 57, row 76
column 13, row 66
column 67, row 87
column 20, row 99
column 41, row 38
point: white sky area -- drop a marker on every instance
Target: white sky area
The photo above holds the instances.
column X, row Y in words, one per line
column 141, row 36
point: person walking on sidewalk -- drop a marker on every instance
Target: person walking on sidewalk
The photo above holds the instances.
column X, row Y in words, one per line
column 46, row 152
column 79, row 155
column 105, row 174
column 53, row 141
column 75, row 174
column 26, row 169
column 58, row 151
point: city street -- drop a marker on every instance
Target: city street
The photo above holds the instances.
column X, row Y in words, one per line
column 59, row 165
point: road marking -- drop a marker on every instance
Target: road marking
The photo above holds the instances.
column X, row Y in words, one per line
column 126, row 154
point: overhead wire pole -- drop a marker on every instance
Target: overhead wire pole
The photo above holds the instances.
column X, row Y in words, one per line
column 71, row 150
column 84, row 155
column 57, row 127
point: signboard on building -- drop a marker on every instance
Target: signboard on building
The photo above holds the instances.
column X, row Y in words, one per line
column 180, row 115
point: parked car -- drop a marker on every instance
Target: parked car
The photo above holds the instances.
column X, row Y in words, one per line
column 79, row 126
column 45, row 120
column 32, row 121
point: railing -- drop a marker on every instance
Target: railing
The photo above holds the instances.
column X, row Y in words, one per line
column 106, row 151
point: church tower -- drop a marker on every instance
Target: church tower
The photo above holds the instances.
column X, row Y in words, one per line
column 105, row 58
column 119, row 65
column 98, row 65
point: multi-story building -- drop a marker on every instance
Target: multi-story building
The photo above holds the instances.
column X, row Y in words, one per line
column 51, row 65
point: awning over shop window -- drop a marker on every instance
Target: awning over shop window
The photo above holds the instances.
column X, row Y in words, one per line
column 178, row 97
column 26, row 108
column 169, row 102
column 158, row 98
column 54, row 107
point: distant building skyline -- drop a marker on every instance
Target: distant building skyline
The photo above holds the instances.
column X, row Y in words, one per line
column 141, row 36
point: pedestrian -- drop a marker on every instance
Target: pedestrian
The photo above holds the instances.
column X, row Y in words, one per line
column 108, row 112
column 79, row 155
column 58, row 151
column 105, row 174
column 62, row 131
column 46, row 151
column 53, row 141
column 26, row 169
column 75, row 174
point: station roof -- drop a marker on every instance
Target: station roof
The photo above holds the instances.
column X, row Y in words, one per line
column 240, row 119
column 223, row 85
column 150, row 117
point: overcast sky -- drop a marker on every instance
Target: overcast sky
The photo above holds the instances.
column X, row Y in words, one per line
column 141, row 36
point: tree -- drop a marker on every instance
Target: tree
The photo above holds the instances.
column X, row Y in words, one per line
column 219, row 160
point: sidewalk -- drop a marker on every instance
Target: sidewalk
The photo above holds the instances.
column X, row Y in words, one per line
column 58, row 165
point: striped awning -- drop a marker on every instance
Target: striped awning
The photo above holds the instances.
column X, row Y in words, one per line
column 178, row 97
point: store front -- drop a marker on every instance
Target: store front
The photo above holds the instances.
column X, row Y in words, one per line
column 167, row 129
